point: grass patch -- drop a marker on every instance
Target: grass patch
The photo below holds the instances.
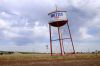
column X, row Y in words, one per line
column 48, row 57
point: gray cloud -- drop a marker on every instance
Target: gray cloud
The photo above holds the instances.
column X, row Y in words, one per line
column 24, row 22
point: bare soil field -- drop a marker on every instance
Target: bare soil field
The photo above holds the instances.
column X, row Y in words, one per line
column 47, row 60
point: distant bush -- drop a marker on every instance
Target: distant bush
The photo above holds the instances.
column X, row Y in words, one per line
column 3, row 52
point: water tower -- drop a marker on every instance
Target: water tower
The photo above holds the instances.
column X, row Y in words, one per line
column 58, row 19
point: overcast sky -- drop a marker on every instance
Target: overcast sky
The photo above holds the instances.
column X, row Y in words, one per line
column 24, row 24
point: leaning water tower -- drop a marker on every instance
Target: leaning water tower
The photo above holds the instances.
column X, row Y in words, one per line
column 58, row 19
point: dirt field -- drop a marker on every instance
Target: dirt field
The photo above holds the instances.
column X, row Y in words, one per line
column 46, row 60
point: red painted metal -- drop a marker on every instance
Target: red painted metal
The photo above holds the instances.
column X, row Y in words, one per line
column 60, row 42
column 50, row 39
column 58, row 23
column 71, row 38
column 60, row 39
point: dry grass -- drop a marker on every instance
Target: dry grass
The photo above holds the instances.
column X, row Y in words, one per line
column 48, row 57
column 47, row 60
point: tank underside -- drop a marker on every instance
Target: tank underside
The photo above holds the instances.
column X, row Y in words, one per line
column 58, row 23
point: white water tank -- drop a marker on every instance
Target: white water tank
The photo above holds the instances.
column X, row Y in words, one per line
column 57, row 18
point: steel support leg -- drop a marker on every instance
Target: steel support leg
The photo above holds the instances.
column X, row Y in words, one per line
column 71, row 38
column 60, row 41
column 50, row 39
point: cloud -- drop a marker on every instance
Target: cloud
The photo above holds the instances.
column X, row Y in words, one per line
column 40, row 30
column 24, row 23
column 84, row 33
column 3, row 24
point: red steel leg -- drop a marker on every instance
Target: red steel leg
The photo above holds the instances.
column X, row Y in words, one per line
column 50, row 39
column 60, row 41
column 71, row 38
